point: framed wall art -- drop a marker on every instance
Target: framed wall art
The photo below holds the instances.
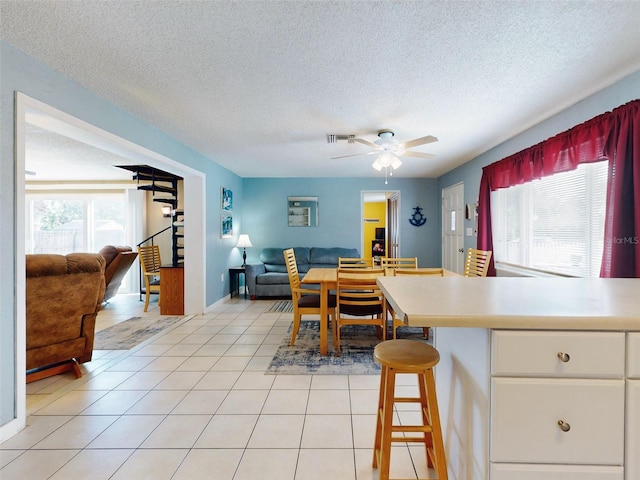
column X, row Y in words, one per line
column 226, row 226
column 226, row 200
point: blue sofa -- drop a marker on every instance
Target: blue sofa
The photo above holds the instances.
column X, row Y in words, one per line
column 269, row 277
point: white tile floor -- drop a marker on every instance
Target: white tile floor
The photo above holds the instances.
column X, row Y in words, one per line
column 194, row 403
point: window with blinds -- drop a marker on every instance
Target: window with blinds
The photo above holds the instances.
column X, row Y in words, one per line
column 553, row 225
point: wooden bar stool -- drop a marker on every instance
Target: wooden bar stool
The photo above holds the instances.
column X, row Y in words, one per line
column 408, row 356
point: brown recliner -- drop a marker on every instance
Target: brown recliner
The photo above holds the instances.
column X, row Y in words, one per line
column 118, row 261
column 63, row 296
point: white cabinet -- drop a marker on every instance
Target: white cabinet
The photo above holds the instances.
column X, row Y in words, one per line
column 558, row 354
column 506, row 471
column 557, row 399
column 632, row 466
column 557, row 421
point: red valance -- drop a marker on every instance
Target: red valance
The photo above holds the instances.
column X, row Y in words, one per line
column 613, row 136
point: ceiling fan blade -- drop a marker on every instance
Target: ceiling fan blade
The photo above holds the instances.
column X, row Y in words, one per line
column 354, row 155
column 366, row 142
column 419, row 154
column 418, row 141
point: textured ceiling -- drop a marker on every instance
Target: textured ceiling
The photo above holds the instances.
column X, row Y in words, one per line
column 257, row 86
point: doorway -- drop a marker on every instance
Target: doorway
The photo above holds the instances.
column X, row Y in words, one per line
column 380, row 228
column 194, row 182
column 452, row 228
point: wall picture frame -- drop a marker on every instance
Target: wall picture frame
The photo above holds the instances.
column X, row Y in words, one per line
column 226, row 226
column 226, row 199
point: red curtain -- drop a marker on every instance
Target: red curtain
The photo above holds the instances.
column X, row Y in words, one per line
column 621, row 257
column 613, row 135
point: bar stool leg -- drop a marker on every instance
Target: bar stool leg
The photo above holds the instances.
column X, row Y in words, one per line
column 426, row 417
column 379, row 414
column 384, row 430
column 436, row 432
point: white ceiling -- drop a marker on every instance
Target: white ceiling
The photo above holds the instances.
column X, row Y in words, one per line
column 257, row 86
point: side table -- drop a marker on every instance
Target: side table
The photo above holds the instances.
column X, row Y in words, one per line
column 172, row 289
column 234, row 280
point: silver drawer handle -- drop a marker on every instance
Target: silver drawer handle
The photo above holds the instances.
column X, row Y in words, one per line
column 564, row 426
column 564, row 357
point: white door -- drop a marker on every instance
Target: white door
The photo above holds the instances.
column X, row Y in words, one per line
column 452, row 228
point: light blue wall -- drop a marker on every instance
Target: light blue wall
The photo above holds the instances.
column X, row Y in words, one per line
column 623, row 91
column 19, row 72
column 264, row 214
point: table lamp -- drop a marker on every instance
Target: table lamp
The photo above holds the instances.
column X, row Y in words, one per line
column 244, row 242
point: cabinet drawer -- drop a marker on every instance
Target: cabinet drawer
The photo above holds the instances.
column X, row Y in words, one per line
column 525, row 415
column 633, row 355
column 538, row 354
column 632, row 467
column 505, row 471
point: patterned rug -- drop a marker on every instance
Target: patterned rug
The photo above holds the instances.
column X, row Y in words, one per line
column 126, row 335
column 357, row 344
column 281, row 306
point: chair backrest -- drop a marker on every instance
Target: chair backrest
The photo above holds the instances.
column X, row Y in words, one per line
column 348, row 262
column 150, row 259
column 292, row 268
column 358, row 292
column 406, row 262
column 477, row 263
column 435, row 272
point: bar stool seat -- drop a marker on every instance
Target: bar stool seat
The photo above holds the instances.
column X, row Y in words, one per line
column 408, row 356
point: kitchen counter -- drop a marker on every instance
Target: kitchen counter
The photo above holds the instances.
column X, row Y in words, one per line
column 538, row 377
column 516, row 302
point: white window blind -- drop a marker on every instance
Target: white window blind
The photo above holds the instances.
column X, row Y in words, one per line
column 555, row 224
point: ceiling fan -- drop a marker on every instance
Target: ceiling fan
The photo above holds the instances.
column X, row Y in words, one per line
column 389, row 149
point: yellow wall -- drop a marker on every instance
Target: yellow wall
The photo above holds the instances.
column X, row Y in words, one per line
column 373, row 210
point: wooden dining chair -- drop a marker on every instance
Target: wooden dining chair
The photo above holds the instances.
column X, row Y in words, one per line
column 348, row 262
column 359, row 301
column 305, row 301
column 150, row 264
column 404, row 262
column 398, row 272
column 477, row 263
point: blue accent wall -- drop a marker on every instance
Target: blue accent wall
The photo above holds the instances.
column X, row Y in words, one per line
column 264, row 215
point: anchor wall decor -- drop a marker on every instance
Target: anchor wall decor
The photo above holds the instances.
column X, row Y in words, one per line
column 417, row 219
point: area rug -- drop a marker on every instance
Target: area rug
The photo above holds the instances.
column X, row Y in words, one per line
column 357, row 344
column 126, row 335
column 281, row 306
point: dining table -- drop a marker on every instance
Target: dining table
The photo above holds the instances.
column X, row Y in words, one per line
column 327, row 278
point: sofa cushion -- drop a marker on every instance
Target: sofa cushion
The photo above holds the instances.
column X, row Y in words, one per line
column 272, row 278
column 328, row 257
column 273, row 259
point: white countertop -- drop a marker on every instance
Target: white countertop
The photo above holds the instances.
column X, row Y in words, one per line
column 516, row 302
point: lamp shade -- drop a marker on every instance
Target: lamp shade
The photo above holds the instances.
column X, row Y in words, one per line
column 244, row 241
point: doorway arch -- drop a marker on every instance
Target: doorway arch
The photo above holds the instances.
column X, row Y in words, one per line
column 194, row 183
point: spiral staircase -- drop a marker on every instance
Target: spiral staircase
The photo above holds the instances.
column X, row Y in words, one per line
column 164, row 189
